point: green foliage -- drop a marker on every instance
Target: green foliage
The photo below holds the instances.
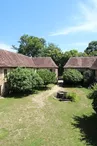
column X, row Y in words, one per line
column 88, row 77
column 47, row 76
column 94, row 104
column 56, row 54
column 30, row 45
column 23, row 80
column 72, row 96
column 92, row 48
column 93, row 95
column 71, row 53
column 72, row 76
column 34, row 46
column 53, row 78
column 37, row 81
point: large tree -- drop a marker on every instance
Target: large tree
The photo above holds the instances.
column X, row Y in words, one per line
column 30, row 45
column 53, row 51
column 56, row 54
column 73, row 53
column 92, row 48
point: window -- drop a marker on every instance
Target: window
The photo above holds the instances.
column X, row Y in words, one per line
column 5, row 72
column 51, row 70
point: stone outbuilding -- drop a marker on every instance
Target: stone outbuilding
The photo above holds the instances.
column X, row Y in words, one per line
column 10, row 60
column 82, row 63
column 45, row 63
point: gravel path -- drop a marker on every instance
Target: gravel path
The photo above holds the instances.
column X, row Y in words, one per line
column 41, row 98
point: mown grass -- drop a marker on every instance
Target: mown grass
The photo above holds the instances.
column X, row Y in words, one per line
column 23, row 123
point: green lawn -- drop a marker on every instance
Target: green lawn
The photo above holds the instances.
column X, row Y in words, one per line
column 23, row 123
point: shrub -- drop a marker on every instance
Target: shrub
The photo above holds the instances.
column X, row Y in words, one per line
column 93, row 95
column 47, row 76
column 37, row 80
column 23, row 80
column 53, row 78
column 72, row 76
column 94, row 104
column 72, row 96
column 88, row 77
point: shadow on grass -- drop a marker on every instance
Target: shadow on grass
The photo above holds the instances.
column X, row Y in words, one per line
column 44, row 88
column 88, row 128
column 16, row 95
column 22, row 95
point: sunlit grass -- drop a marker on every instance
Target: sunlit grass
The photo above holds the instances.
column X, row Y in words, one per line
column 23, row 123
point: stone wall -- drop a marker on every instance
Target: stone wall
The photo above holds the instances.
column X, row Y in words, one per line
column 55, row 70
column 3, row 81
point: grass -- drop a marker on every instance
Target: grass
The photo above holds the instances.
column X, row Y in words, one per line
column 23, row 123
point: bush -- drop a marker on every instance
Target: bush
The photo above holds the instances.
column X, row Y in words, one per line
column 93, row 95
column 37, row 81
column 23, row 80
column 47, row 76
column 88, row 77
column 72, row 96
column 53, row 78
column 72, row 76
column 94, row 104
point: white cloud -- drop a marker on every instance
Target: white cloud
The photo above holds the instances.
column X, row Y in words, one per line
column 88, row 19
column 6, row 47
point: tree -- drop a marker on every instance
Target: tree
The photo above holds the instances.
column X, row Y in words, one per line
column 53, row 51
column 30, row 45
column 92, row 48
column 56, row 54
column 71, row 53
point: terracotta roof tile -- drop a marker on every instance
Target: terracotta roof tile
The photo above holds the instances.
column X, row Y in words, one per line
column 10, row 59
column 81, row 62
column 44, row 62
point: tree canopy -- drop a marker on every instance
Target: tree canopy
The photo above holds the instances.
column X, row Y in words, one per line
column 30, row 45
column 33, row 46
column 92, row 48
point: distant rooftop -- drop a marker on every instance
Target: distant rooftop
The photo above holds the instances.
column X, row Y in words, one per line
column 82, row 62
column 11, row 59
column 43, row 62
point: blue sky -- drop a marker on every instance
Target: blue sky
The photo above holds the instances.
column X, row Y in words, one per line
column 70, row 24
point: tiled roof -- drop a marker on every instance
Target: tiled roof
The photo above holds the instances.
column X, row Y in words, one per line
column 82, row 62
column 44, row 62
column 10, row 59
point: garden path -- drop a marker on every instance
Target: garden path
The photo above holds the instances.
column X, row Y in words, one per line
column 40, row 99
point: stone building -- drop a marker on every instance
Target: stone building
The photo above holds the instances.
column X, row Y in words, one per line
column 10, row 60
column 82, row 63
column 46, row 63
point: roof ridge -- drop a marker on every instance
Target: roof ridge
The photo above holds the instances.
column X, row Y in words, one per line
column 80, row 62
column 84, row 57
column 13, row 52
column 15, row 59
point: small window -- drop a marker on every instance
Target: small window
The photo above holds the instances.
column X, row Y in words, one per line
column 5, row 72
